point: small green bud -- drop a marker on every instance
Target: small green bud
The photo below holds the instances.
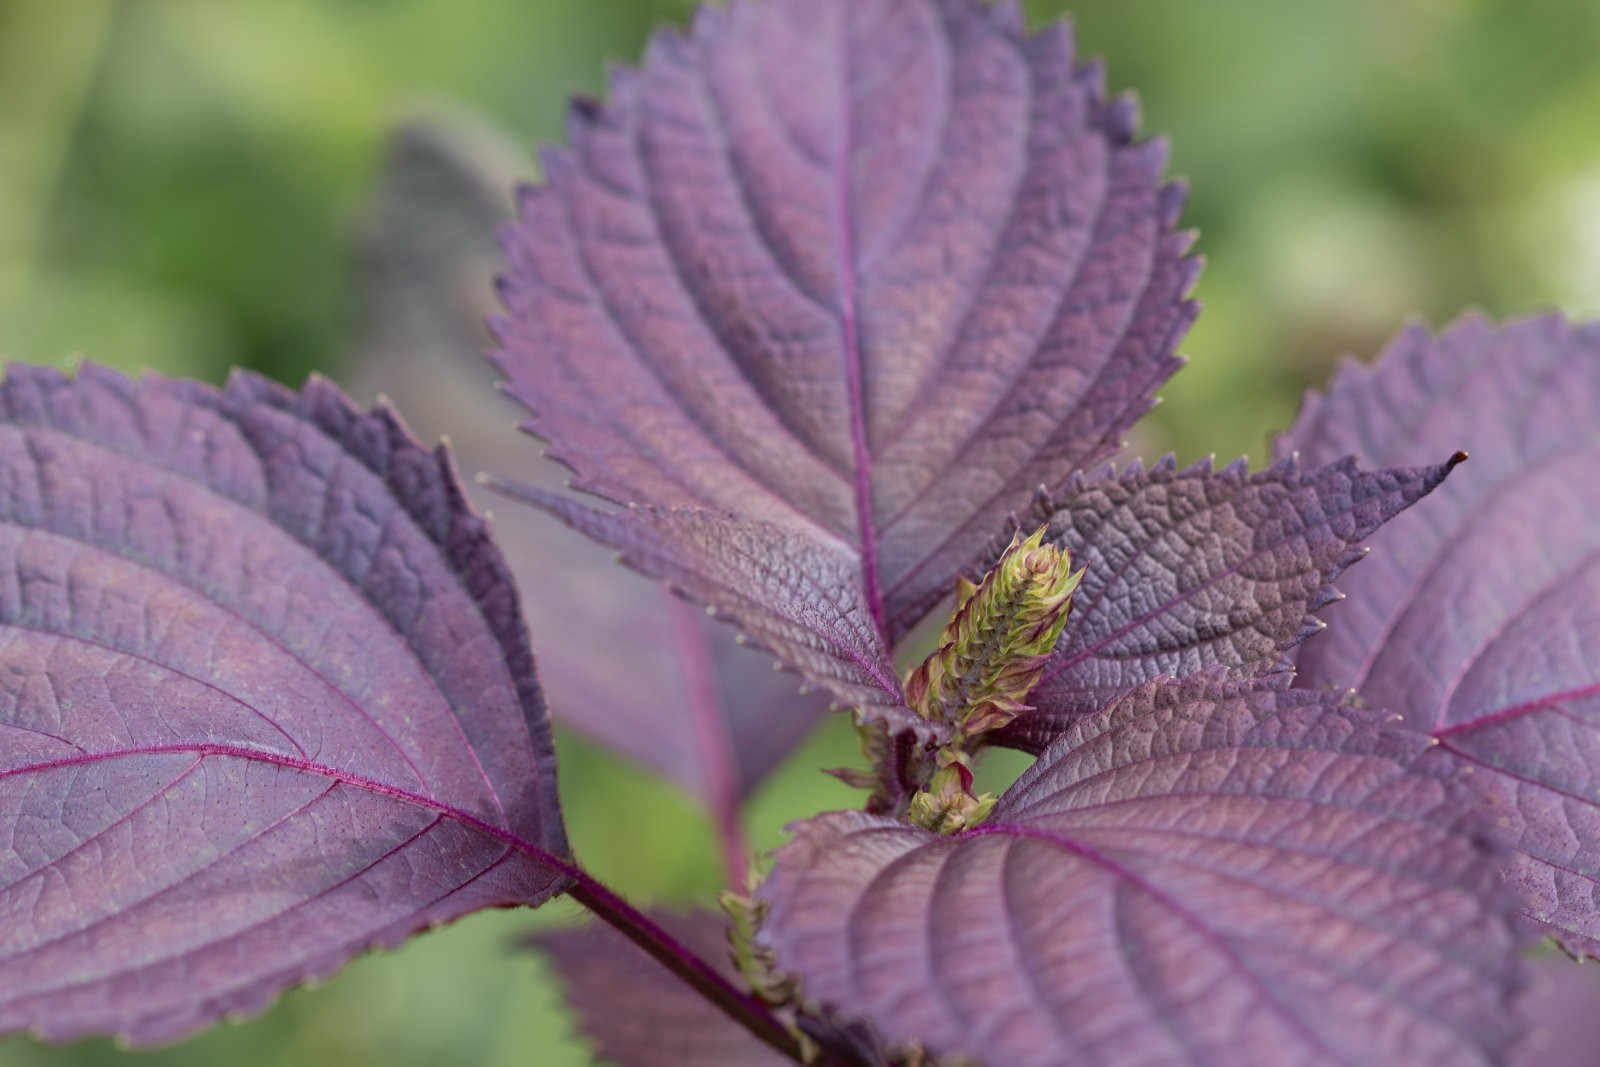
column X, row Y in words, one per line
column 948, row 804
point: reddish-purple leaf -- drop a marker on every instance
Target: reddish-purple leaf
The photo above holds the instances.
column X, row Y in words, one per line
column 691, row 704
column 1478, row 617
column 1191, row 569
column 639, row 1014
column 267, row 700
column 1202, row 873
column 868, row 270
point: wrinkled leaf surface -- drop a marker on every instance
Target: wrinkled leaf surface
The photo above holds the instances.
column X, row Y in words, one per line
column 869, row 271
column 267, row 700
column 794, row 596
column 691, row 704
column 1187, row 570
column 1202, row 873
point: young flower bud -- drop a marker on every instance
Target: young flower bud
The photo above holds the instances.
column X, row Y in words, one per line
column 995, row 646
column 948, row 804
column 991, row 655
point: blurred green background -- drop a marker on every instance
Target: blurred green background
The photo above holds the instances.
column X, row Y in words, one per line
column 191, row 185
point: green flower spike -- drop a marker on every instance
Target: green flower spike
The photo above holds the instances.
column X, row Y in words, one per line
column 995, row 646
column 991, row 655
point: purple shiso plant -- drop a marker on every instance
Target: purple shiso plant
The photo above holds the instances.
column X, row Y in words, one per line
column 836, row 309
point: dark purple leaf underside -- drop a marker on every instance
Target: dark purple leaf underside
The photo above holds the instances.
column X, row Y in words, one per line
column 691, row 704
column 865, row 269
column 636, row 1012
column 1478, row 616
column 1202, row 873
column 265, row 700
column 1192, row 569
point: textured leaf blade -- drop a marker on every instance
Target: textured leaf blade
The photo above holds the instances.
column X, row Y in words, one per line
column 870, row 270
column 1201, row 873
column 1188, row 570
column 692, row 705
column 797, row 597
column 1477, row 619
column 269, row 700
column 665, row 1024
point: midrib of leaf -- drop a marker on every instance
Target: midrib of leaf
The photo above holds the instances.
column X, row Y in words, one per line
column 28, row 431
column 1522, row 777
column 581, row 885
column 335, row 776
column 1552, row 587
column 844, row 254
column 405, row 796
column 1517, row 711
column 235, row 935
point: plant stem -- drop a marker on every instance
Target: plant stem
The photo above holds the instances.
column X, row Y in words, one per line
column 672, row 954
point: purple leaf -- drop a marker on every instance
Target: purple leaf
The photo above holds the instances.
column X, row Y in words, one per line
column 692, row 705
column 662, row 1022
column 267, row 700
column 1562, row 1008
column 871, row 271
column 1478, row 618
column 1191, row 569
column 791, row 594
column 1203, row 873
